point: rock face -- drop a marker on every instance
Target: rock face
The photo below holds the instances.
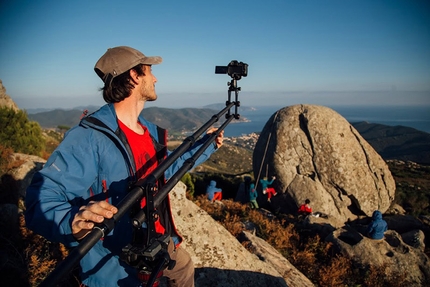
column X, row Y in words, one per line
column 24, row 173
column 315, row 153
column 220, row 259
column 390, row 253
column 5, row 100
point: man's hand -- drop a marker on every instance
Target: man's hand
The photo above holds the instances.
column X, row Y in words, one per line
column 219, row 139
column 94, row 212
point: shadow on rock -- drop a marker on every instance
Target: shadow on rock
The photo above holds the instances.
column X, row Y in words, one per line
column 231, row 278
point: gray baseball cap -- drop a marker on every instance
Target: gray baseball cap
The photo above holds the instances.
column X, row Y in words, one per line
column 119, row 60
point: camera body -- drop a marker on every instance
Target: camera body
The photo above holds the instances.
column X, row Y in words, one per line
column 234, row 69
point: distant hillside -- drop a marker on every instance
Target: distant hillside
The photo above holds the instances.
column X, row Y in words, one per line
column 175, row 120
column 220, row 106
column 80, row 109
column 391, row 142
column 58, row 117
column 397, row 142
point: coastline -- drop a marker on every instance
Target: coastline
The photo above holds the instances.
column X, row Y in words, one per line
column 417, row 117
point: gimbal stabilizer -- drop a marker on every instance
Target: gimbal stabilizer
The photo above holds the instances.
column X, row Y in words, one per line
column 150, row 254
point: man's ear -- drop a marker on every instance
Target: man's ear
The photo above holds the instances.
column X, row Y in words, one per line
column 134, row 76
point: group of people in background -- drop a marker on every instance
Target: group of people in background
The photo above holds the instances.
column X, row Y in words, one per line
column 375, row 229
column 247, row 192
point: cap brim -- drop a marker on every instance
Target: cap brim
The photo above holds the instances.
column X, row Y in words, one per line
column 153, row 60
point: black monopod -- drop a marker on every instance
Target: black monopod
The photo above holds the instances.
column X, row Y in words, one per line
column 142, row 188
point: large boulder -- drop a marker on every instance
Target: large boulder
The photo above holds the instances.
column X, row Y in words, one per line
column 315, row 153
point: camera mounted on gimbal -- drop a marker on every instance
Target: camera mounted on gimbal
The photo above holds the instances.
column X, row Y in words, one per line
column 148, row 251
column 236, row 70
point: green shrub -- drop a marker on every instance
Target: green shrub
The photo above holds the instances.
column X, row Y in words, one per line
column 19, row 133
column 187, row 180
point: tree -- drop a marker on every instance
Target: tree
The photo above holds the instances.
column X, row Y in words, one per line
column 19, row 133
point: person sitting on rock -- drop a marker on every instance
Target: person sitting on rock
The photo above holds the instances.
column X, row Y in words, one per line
column 377, row 226
column 305, row 209
column 242, row 194
column 213, row 193
column 253, row 196
column 270, row 191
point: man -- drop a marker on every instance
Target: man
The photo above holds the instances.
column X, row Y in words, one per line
column 96, row 164
column 253, row 196
column 305, row 209
column 270, row 191
column 377, row 226
column 212, row 192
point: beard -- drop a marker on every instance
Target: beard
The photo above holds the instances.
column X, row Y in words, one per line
column 148, row 93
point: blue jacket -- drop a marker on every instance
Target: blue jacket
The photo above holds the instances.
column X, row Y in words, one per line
column 211, row 189
column 377, row 227
column 252, row 192
column 265, row 183
column 94, row 162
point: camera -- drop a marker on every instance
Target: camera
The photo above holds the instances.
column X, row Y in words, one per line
column 234, row 69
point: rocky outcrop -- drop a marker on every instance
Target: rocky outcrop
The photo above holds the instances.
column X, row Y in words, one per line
column 5, row 100
column 268, row 254
column 315, row 153
column 24, row 173
column 220, row 259
column 390, row 253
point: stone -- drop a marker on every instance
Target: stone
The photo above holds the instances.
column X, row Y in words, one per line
column 390, row 253
column 315, row 153
column 219, row 258
column 268, row 254
column 24, row 173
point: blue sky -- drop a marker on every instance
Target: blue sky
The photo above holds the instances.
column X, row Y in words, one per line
column 352, row 52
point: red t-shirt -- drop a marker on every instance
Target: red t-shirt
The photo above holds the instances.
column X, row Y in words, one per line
column 144, row 156
column 304, row 209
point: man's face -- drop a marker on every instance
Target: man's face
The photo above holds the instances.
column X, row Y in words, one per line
column 147, row 87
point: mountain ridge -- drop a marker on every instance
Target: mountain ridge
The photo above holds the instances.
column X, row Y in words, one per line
column 391, row 142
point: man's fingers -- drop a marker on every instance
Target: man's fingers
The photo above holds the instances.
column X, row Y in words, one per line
column 83, row 224
column 219, row 139
column 94, row 214
column 107, row 205
column 100, row 208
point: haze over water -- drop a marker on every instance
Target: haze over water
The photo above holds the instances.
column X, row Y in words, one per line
column 417, row 117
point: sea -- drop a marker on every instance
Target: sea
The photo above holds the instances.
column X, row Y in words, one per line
column 417, row 117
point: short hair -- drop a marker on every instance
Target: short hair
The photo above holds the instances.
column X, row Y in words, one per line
column 120, row 87
column 307, row 201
